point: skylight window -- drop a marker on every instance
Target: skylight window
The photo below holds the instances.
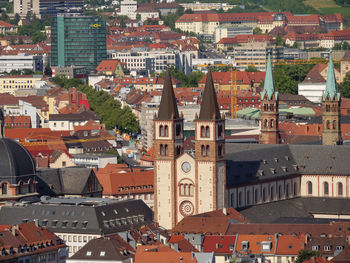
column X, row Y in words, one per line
column 102, row 253
column 88, row 253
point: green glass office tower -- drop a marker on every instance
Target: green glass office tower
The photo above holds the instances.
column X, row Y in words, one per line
column 78, row 41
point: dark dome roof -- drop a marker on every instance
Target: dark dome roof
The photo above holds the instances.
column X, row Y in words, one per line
column 16, row 162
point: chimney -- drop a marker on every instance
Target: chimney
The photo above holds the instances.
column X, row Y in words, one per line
column 36, row 222
column 224, row 211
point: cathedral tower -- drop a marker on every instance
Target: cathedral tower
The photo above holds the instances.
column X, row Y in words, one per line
column 331, row 133
column 168, row 145
column 269, row 133
column 210, row 178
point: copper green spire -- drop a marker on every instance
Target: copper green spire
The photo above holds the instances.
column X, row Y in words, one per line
column 269, row 87
column 331, row 85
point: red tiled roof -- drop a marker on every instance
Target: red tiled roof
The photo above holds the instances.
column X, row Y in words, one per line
column 254, row 244
column 183, row 244
column 245, row 39
column 5, row 24
column 219, row 244
column 108, row 65
column 290, row 245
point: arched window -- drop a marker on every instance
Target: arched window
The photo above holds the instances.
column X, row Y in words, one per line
column 264, row 195
column 161, row 131
column 220, row 131
column 166, row 131
column 240, row 199
column 182, row 189
column 272, row 107
column 4, row 189
column 207, row 132
column 334, row 124
column 207, row 151
column 328, row 108
column 287, row 190
column 187, row 190
column 178, row 129
column 340, row 189
column 248, row 197
column 279, row 192
column 161, row 149
column 178, row 150
column 202, row 131
column 232, row 200
column 271, row 123
column 220, row 150
column 256, row 197
column 295, row 189
column 328, row 124
column 203, row 150
column 309, row 188
column 325, row 188
column 31, row 187
column 191, row 190
column 266, row 123
column 166, row 150
column 272, row 193
column 266, row 107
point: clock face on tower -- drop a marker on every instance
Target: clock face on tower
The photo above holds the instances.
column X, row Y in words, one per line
column 186, row 208
column 186, row 167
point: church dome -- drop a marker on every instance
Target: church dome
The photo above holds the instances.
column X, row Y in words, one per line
column 16, row 163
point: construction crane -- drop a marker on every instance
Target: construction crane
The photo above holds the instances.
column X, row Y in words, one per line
column 233, row 92
column 66, row 141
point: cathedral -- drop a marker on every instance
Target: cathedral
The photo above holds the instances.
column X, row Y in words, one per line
column 245, row 176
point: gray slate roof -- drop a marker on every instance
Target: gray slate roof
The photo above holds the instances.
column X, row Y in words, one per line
column 65, row 181
column 248, row 163
column 111, row 250
column 88, row 217
column 301, row 207
column 84, row 115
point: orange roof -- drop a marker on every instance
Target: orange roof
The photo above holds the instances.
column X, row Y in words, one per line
column 149, row 155
column 245, row 39
column 137, row 181
column 290, row 245
column 107, row 65
column 254, row 243
column 5, row 24
column 161, row 253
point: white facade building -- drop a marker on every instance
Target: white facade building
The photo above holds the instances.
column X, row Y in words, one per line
column 20, row 62
column 312, row 91
column 128, row 8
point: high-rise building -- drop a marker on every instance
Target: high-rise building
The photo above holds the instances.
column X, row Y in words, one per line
column 44, row 8
column 78, row 41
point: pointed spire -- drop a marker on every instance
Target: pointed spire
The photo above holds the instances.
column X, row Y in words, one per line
column 331, row 85
column 269, row 87
column 168, row 106
column 209, row 107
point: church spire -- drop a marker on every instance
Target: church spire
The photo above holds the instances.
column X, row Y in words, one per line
column 331, row 88
column 168, row 106
column 269, row 87
column 209, row 107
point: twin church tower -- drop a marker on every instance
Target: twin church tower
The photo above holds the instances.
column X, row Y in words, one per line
column 185, row 184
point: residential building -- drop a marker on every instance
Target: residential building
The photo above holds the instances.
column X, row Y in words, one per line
column 12, row 83
column 44, row 8
column 228, row 43
column 255, row 53
column 66, row 122
column 7, row 28
column 94, row 160
column 314, row 83
column 111, row 250
column 197, row 6
column 79, row 220
column 20, row 62
column 20, row 243
column 128, row 8
column 71, row 72
column 231, row 31
column 17, row 121
column 111, row 67
column 123, row 183
column 78, row 41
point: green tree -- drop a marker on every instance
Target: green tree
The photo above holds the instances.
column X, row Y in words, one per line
column 257, row 31
column 279, row 41
column 138, row 17
column 251, row 68
column 344, row 87
column 306, row 255
column 38, row 37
